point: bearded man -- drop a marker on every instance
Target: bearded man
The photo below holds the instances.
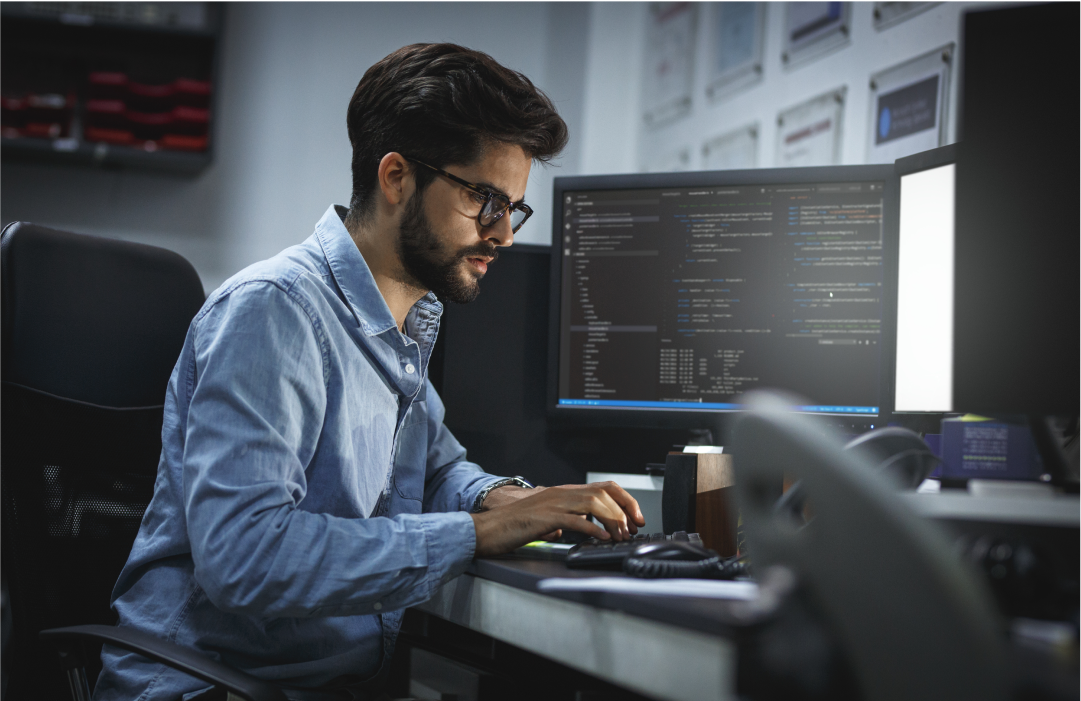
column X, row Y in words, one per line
column 308, row 491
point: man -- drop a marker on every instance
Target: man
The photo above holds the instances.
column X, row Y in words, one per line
column 308, row 491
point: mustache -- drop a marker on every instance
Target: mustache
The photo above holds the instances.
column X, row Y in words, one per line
column 480, row 250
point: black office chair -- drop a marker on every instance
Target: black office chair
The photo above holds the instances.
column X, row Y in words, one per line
column 91, row 330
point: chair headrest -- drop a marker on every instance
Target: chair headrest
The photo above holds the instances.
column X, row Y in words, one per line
column 93, row 319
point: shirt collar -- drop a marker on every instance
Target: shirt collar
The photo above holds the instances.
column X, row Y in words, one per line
column 355, row 279
column 351, row 273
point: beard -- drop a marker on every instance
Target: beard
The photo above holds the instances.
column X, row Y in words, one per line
column 430, row 263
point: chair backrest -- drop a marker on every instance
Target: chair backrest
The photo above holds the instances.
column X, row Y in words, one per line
column 91, row 328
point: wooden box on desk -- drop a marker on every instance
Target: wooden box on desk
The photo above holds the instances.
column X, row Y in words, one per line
column 698, row 497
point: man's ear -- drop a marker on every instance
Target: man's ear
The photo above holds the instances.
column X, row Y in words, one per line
column 395, row 178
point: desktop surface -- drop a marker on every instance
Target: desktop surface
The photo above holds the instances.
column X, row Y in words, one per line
column 705, row 615
column 671, row 648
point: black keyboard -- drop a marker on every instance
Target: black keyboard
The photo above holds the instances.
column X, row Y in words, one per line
column 594, row 553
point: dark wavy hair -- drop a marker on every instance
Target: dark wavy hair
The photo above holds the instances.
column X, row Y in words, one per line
column 443, row 104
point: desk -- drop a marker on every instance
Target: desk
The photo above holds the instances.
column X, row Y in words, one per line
column 1049, row 525
column 686, row 648
column 1057, row 510
column 662, row 647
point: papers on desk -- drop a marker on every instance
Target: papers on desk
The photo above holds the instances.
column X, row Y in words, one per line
column 543, row 550
column 704, row 588
column 711, row 449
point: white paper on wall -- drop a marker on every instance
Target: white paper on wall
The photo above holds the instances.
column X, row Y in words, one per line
column 809, row 134
column 734, row 150
column 669, row 62
column 813, row 29
column 738, row 31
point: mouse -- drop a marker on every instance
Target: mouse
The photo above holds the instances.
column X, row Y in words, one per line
column 671, row 550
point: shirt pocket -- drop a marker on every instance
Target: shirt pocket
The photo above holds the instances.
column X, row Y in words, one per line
column 411, row 457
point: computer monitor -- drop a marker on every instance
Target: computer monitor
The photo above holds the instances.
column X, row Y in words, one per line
column 923, row 368
column 673, row 293
column 1016, row 339
column 489, row 367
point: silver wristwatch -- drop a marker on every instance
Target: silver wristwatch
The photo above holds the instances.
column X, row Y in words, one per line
column 483, row 494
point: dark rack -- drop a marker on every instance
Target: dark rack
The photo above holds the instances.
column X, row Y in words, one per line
column 154, row 42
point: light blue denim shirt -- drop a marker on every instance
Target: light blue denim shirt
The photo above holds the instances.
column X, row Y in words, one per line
column 307, row 491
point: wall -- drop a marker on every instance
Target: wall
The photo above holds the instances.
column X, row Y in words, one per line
column 289, row 69
column 616, row 138
column 287, row 73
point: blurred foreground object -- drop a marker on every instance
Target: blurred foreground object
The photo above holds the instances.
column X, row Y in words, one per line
column 913, row 622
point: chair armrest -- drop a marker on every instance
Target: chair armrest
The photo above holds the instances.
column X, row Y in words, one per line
column 171, row 654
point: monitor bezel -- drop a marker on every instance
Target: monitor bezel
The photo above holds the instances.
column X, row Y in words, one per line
column 711, row 419
column 916, row 163
column 925, row 160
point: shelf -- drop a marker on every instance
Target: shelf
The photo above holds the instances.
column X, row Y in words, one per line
column 52, row 49
column 186, row 18
column 73, row 152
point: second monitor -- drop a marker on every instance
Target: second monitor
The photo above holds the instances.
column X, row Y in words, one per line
column 674, row 293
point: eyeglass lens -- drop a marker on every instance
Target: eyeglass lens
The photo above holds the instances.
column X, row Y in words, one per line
column 498, row 204
column 516, row 219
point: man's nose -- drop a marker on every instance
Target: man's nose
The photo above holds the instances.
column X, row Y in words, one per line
column 500, row 233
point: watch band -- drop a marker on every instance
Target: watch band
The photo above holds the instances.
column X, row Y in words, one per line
column 483, row 494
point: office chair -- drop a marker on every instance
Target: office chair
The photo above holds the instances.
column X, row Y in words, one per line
column 914, row 623
column 91, row 330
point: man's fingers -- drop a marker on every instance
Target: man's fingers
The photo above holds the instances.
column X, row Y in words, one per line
column 615, row 527
column 584, row 525
column 626, row 502
column 554, row 535
column 613, row 516
column 578, row 502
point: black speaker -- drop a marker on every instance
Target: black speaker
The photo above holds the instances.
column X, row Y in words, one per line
column 680, row 491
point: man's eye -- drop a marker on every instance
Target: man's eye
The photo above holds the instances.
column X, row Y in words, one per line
column 477, row 197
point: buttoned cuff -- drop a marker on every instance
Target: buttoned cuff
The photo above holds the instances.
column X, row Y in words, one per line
column 451, row 541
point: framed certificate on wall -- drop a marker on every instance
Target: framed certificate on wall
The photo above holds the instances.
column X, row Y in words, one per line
column 737, row 33
column 813, row 29
column 909, row 106
column 669, row 61
column 809, row 134
column 735, row 150
column 888, row 14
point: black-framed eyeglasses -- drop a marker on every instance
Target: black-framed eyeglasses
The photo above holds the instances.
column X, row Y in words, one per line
column 494, row 206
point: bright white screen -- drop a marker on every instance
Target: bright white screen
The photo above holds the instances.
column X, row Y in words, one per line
column 925, row 292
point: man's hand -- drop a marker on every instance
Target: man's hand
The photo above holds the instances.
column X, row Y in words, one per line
column 510, row 493
column 510, row 525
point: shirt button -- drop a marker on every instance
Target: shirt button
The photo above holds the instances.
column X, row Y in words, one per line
column 377, row 606
column 409, row 368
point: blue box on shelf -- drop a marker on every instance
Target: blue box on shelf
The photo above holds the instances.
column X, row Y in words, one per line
column 978, row 448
